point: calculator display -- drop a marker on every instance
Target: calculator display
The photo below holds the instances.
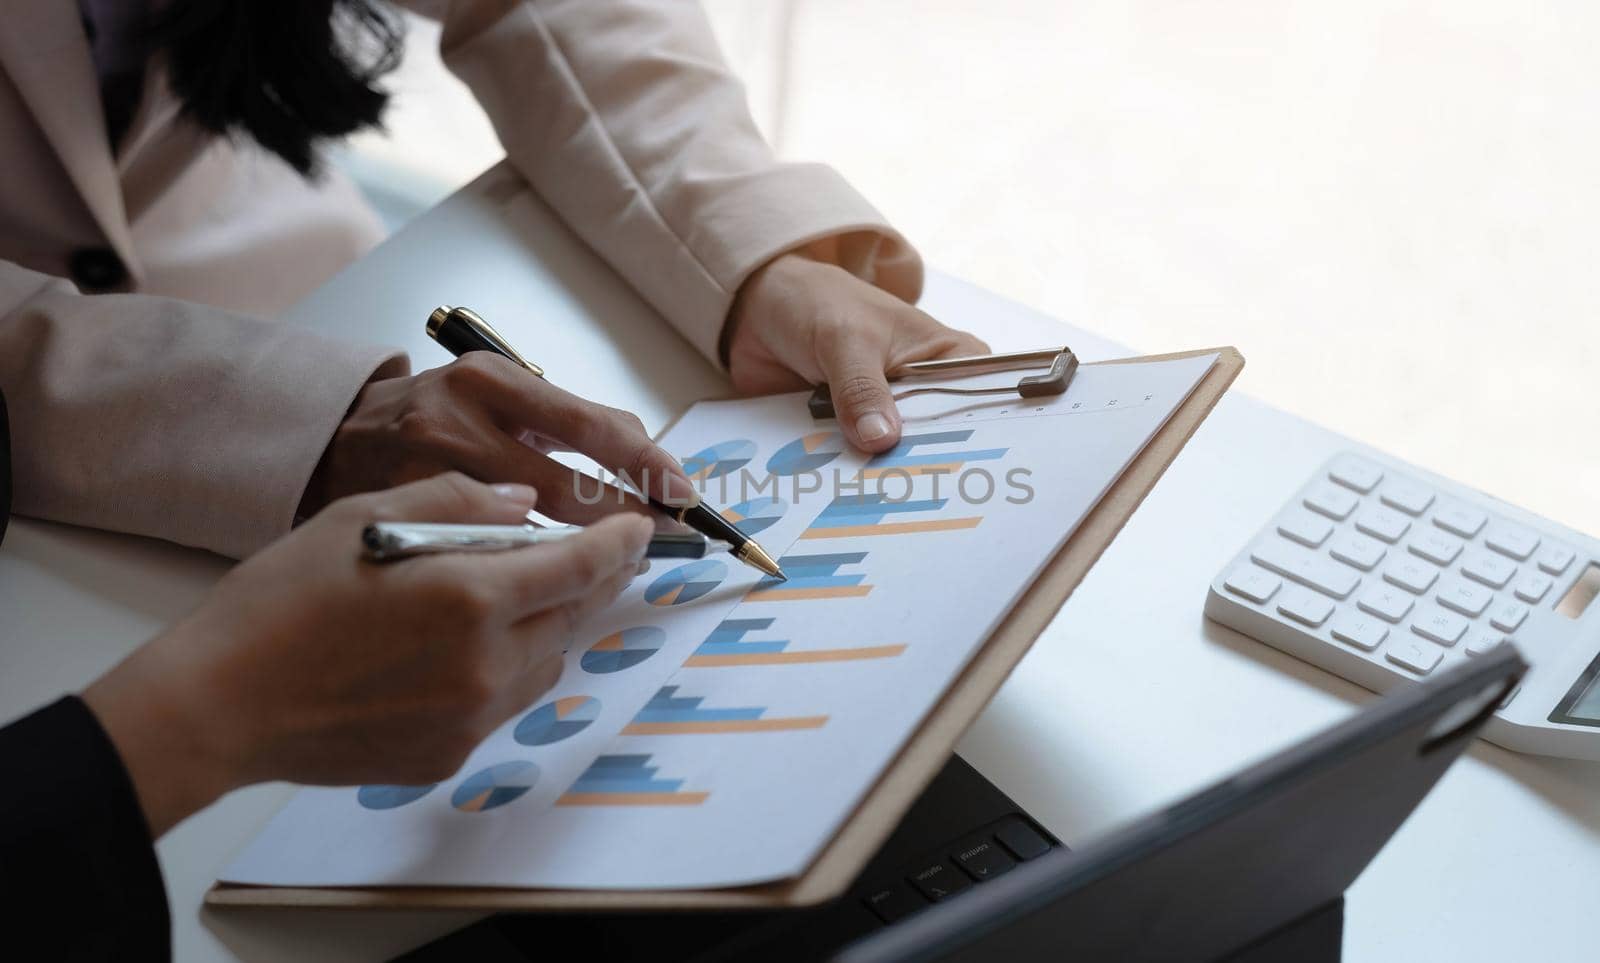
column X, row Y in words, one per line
column 1583, row 592
column 1581, row 707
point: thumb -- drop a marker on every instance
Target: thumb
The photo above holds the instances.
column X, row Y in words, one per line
column 450, row 497
column 853, row 368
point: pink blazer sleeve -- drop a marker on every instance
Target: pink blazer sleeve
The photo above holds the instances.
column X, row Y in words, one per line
column 624, row 117
column 164, row 418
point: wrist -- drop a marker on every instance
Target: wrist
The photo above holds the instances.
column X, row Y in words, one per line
column 171, row 741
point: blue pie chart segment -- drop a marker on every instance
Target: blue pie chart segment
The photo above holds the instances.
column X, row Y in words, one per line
column 558, row 720
column 807, row 453
column 720, row 459
column 623, row 650
column 495, row 786
column 755, row 515
column 686, row 582
column 391, row 797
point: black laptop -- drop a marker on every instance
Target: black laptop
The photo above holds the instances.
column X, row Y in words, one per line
column 1250, row 870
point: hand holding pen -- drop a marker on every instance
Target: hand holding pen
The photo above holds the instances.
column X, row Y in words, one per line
column 473, row 416
column 466, row 335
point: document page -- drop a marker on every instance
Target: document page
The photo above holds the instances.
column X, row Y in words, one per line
column 714, row 727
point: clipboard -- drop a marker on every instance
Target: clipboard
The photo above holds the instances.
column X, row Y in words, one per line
column 901, row 782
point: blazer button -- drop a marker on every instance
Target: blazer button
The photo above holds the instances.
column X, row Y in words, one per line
column 97, row 269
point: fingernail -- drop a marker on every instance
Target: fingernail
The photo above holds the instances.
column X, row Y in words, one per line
column 521, row 494
column 680, row 491
column 872, row 426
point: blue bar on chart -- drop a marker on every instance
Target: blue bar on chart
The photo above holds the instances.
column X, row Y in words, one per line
column 812, row 577
column 903, row 459
column 853, row 516
column 627, row 780
column 727, row 647
column 669, row 714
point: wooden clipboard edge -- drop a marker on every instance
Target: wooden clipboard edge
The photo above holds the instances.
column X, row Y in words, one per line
column 902, row 780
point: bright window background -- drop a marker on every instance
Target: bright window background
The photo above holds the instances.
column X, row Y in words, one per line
column 1391, row 206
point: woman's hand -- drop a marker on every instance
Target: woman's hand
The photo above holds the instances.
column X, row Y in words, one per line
column 484, row 416
column 309, row 664
column 799, row 322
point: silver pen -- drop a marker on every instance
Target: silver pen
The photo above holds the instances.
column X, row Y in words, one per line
column 387, row 541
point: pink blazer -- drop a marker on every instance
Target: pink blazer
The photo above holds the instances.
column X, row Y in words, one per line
column 165, row 405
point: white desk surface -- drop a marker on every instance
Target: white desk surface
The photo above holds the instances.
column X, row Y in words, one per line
column 1128, row 700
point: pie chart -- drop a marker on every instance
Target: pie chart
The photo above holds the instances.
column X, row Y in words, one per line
column 558, row 720
column 391, row 797
column 686, row 582
column 807, row 453
column 719, row 459
column 755, row 515
column 620, row 650
column 495, row 786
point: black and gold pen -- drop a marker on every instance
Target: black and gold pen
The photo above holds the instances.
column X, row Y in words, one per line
column 460, row 330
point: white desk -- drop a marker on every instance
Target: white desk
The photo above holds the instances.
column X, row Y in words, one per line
column 1128, row 700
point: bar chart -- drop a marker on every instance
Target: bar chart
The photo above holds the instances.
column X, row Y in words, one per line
column 868, row 514
column 728, row 647
column 628, row 780
column 906, row 460
column 813, row 577
column 670, row 714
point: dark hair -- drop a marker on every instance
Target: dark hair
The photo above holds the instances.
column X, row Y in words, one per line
column 288, row 73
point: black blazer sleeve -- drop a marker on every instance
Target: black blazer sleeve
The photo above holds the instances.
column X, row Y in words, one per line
column 78, row 873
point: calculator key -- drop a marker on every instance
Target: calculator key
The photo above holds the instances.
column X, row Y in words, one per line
column 1389, row 604
column 1508, row 615
column 1359, row 631
column 1460, row 519
column 1480, row 642
column 1252, row 583
column 1409, row 498
column 1555, row 559
column 1442, row 627
column 1512, row 540
column 1418, row 656
column 1533, row 586
column 1436, row 547
column 1464, row 597
column 1491, row 570
column 1411, row 575
column 1305, row 528
column 1382, row 523
column 1356, row 473
column 1305, row 567
column 1336, row 503
column 1357, row 550
column 1306, row 607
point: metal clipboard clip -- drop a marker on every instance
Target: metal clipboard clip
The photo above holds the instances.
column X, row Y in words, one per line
column 1061, row 365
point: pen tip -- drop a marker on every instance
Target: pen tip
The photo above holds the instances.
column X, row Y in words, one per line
column 757, row 556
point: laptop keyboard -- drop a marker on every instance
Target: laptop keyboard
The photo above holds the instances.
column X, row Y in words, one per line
column 967, row 861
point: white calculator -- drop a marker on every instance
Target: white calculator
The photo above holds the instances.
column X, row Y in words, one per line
column 1384, row 574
